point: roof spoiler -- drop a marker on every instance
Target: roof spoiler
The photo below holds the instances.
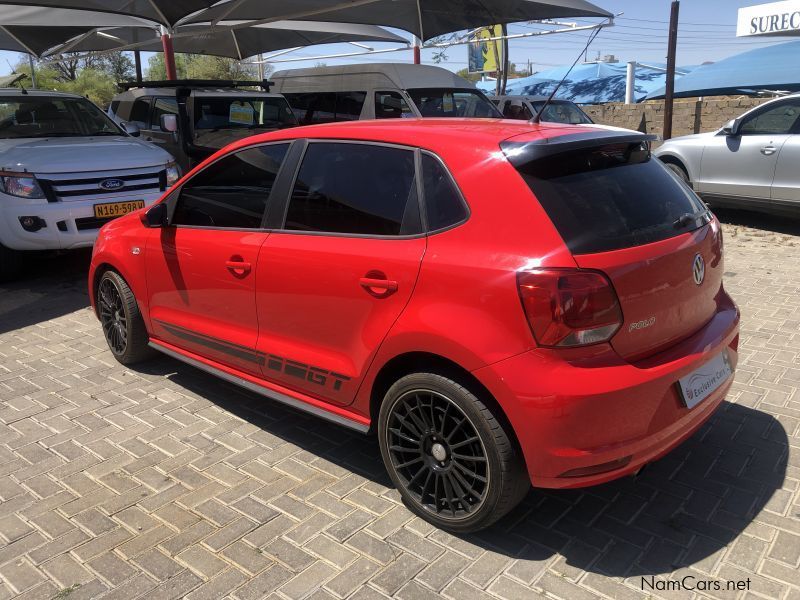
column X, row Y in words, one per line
column 209, row 83
column 521, row 153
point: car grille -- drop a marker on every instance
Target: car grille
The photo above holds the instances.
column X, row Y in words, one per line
column 67, row 188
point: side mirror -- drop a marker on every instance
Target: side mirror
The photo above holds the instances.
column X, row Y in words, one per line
column 731, row 128
column 156, row 216
column 131, row 128
column 169, row 123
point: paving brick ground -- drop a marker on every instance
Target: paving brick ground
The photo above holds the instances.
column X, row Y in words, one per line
column 165, row 483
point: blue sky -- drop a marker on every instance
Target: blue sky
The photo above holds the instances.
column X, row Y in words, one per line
column 707, row 33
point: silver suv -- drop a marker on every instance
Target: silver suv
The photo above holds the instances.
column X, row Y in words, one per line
column 65, row 170
column 750, row 163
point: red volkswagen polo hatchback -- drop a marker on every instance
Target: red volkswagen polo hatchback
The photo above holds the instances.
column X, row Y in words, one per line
column 501, row 303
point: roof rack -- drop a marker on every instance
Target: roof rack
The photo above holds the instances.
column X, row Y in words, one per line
column 207, row 83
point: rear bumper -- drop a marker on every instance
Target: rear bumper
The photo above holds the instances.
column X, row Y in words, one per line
column 67, row 225
column 594, row 411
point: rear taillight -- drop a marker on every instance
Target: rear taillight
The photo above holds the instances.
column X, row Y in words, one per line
column 568, row 307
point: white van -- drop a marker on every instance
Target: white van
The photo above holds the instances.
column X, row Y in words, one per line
column 379, row 91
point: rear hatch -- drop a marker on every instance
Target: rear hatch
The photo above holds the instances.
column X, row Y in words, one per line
column 621, row 212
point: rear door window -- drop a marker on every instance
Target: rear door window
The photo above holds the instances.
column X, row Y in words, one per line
column 352, row 188
column 233, row 191
column 610, row 197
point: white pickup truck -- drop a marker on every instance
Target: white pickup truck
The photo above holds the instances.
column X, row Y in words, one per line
column 65, row 170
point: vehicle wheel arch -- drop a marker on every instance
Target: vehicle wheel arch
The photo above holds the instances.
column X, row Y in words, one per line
column 672, row 159
column 428, row 362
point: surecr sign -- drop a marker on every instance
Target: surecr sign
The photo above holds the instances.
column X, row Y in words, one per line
column 775, row 18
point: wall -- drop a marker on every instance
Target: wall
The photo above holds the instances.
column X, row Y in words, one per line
column 693, row 115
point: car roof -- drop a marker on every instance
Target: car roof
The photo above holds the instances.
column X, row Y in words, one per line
column 43, row 93
column 169, row 92
column 428, row 133
column 367, row 76
column 531, row 98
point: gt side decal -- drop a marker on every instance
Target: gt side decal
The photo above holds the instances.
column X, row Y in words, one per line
column 303, row 371
column 292, row 368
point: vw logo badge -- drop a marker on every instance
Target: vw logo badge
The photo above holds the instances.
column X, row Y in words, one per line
column 699, row 269
column 112, row 184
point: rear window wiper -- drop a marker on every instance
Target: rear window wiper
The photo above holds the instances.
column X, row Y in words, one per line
column 687, row 219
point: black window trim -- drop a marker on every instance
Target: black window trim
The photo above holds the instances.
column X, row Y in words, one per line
column 287, row 198
column 174, row 195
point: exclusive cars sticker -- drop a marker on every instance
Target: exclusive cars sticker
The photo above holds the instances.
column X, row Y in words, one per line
column 701, row 383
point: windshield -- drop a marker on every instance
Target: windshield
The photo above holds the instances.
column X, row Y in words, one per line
column 562, row 112
column 230, row 112
column 50, row 116
column 447, row 102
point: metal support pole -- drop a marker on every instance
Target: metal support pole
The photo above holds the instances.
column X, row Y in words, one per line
column 169, row 54
column 669, row 93
column 137, row 59
column 33, row 72
column 630, row 82
column 506, row 61
column 417, row 44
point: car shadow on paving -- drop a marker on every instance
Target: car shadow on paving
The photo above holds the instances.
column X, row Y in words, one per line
column 680, row 511
column 51, row 285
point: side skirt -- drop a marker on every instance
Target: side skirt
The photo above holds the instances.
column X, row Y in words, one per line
column 263, row 391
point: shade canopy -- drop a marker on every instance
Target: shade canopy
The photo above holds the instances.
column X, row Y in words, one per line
column 589, row 83
column 222, row 40
column 164, row 12
column 424, row 18
column 770, row 68
column 35, row 29
column 36, row 40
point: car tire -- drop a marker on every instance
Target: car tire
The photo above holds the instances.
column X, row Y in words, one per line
column 10, row 263
column 680, row 172
column 123, row 326
column 451, row 458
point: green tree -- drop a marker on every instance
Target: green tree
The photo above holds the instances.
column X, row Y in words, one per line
column 201, row 66
column 99, row 86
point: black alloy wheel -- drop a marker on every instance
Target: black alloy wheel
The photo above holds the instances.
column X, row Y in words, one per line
column 453, row 459
column 112, row 316
column 122, row 322
column 436, row 451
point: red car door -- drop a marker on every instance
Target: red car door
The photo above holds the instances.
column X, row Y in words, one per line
column 201, row 269
column 338, row 273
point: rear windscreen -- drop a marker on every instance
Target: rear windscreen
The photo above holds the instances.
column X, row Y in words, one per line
column 610, row 197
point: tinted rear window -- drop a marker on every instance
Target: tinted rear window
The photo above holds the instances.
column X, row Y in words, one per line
column 611, row 197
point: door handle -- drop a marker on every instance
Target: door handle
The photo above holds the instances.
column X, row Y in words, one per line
column 378, row 287
column 768, row 150
column 238, row 267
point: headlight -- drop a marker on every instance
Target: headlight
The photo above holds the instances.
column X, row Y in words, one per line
column 22, row 185
column 173, row 174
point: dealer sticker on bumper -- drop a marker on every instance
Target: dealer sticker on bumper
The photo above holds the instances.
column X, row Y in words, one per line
column 701, row 383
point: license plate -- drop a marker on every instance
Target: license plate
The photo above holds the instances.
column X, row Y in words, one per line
column 701, row 383
column 116, row 209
